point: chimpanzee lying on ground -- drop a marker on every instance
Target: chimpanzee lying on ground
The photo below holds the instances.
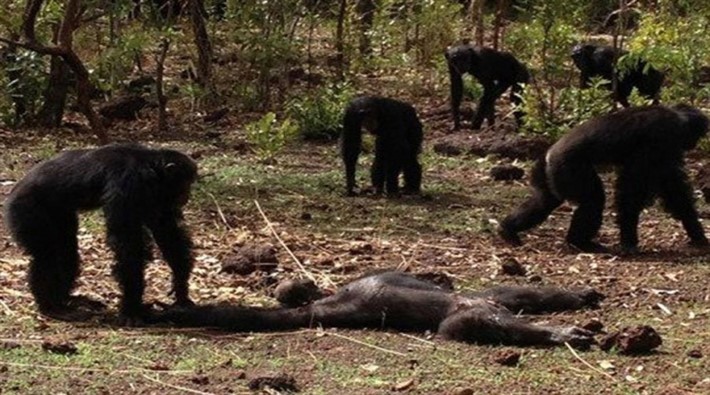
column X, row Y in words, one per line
column 400, row 301
column 496, row 71
column 139, row 189
column 598, row 61
column 398, row 141
column 646, row 145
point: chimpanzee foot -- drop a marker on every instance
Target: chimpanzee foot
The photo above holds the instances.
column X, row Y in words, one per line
column 628, row 249
column 576, row 337
column 509, row 236
column 135, row 317
column 590, row 247
column 591, row 297
column 66, row 313
column 81, row 302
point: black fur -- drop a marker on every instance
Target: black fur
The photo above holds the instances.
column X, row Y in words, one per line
column 646, row 145
column 400, row 301
column 496, row 71
column 598, row 61
column 141, row 192
column 398, row 141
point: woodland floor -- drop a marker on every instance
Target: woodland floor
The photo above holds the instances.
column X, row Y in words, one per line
column 449, row 230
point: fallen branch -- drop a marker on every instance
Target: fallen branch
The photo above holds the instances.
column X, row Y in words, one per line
column 587, row 364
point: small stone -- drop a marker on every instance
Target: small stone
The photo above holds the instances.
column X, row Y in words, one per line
column 695, row 353
column 507, row 358
column 59, row 347
column 512, row 267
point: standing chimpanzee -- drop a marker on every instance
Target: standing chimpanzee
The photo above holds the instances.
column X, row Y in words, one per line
column 398, row 141
column 496, row 71
column 646, row 146
column 598, row 61
column 400, row 301
column 139, row 189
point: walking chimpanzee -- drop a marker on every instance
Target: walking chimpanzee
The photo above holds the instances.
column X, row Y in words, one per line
column 646, row 146
column 496, row 71
column 141, row 192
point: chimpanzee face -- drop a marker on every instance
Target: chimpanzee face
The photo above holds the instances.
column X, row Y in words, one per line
column 581, row 55
column 460, row 58
column 369, row 123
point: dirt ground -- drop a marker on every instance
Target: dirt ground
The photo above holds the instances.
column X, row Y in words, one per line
column 449, row 230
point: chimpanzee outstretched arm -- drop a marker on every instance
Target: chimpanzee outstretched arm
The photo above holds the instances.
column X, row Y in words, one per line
column 456, row 95
column 175, row 244
column 534, row 300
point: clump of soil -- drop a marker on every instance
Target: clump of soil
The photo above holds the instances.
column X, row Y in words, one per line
column 507, row 172
column 250, row 258
column 593, row 325
column 512, row 267
column 632, row 340
column 58, row 346
column 507, row 357
column 279, row 382
column 295, row 293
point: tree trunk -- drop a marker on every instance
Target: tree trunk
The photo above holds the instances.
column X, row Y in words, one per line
column 366, row 15
column 501, row 8
column 55, row 95
column 162, row 100
column 204, row 48
column 340, row 39
column 477, row 18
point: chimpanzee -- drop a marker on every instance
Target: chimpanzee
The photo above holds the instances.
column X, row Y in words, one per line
column 139, row 190
column 598, row 61
column 400, row 301
column 398, row 141
column 496, row 71
column 646, row 146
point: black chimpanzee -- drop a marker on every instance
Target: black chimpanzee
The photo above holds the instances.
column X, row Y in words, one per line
column 646, row 146
column 398, row 141
column 598, row 61
column 400, row 301
column 496, row 71
column 139, row 189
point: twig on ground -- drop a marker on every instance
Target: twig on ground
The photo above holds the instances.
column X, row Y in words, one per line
column 95, row 370
column 589, row 365
column 303, row 269
column 362, row 343
column 176, row 387
column 219, row 211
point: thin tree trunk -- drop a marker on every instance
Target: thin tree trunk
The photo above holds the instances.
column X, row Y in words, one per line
column 204, row 48
column 55, row 95
column 477, row 18
column 162, row 100
column 340, row 39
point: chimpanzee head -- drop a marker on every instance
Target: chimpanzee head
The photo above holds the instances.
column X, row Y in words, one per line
column 177, row 172
column 461, row 58
column 582, row 56
column 696, row 125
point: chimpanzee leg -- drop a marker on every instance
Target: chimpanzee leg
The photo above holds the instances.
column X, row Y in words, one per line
column 533, row 211
column 584, row 187
column 535, row 300
column 496, row 325
column 677, row 197
column 174, row 243
column 412, row 175
column 55, row 265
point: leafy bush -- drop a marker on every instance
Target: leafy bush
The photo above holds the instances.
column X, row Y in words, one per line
column 320, row 116
column 24, row 78
column 268, row 137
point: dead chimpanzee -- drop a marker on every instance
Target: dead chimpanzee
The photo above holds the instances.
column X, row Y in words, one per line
column 398, row 141
column 139, row 190
column 496, row 71
column 646, row 146
column 598, row 61
column 400, row 301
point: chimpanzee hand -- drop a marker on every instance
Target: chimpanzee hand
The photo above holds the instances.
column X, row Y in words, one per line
column 577, row 337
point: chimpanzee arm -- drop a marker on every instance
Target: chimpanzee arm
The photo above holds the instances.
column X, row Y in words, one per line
column 350, row 148
column 174, row 242
column 456, row 80
column 128, row 240
column 532, row 300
